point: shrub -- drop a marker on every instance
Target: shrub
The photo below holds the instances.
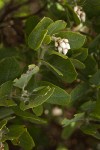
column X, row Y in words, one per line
column 55, row 73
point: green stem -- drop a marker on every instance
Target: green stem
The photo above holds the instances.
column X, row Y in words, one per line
column 41, row 54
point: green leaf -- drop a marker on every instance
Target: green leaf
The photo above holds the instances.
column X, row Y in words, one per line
column 76, row 40
column 96, row 112
column 52, row 67
column 9, row 69
column 91, row 130
column 59, row 96
column 94, row 45
column 25, row 78
column 68, row 131
column 95, row 79
column 2, row 124
column 65, row 67
column 47, row 39
column 15, row 131
column 52, row 52
column 5, row 112
column 7, row 103
column 81, row 55
column 42, row 96
column 88, row 106
column 35, row 40
column 73, row 14
column 56, row 26
column 28, row 116
column 38, row 110
column 30, row 24
column 56, row 11
column 78, row 92
column 5, row 89
column 8, row 52
column 37, row 89
column 38, row 34
column 77, row 64
column 90, row 66
column 78, row 118
column 26, row 141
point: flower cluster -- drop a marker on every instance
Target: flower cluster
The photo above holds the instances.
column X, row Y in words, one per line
column 62, row 45
column 80, row 13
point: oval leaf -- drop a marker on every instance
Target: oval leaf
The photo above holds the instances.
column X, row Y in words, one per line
column 59, row 96
column 76, row 40
column 56, row 26
column 65, row 67
column 38, row 34
column 28, row 116
column 9, row 69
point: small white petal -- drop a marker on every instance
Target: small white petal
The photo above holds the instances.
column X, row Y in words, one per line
column 79, row 12
column 75, row 8
column 60, row 49
column 56, row 44
column 67, row 46
column 65, row 40
column 83, row 16
column 57, row 111
column 84, row 29
column 62, row 44
column 65, row 51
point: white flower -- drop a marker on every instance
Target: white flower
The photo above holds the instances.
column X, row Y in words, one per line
column 65, row 40
column 62, row 45
column 67, row 46
column 83, row 16
column 76, row 8
column 57, row 111
column 60, row 49
column 65, row 51
column 56, row 44
column 80, row 13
